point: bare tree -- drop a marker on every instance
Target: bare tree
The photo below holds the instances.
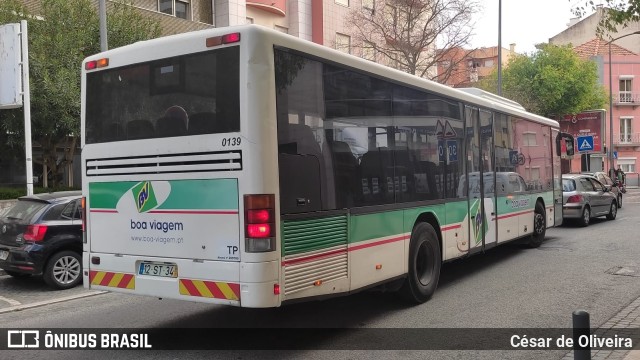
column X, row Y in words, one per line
column 404, row 34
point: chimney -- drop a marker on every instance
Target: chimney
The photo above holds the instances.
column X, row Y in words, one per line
column 512, row 48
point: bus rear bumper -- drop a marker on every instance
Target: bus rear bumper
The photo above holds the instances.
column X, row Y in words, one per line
column 215, row 282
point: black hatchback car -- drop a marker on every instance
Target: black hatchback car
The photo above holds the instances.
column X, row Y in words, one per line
column 42, row 235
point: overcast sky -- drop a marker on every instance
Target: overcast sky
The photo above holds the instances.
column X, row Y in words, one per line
column 524, row 22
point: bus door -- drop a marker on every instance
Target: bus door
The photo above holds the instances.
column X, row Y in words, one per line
column 481, row 179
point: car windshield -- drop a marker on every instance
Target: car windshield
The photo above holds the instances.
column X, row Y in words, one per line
column 568, row 185
column 24, row 210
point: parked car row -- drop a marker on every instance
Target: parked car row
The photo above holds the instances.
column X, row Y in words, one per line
column 589, row 195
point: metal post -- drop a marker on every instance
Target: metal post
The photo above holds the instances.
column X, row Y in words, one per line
column 26, row 96
column 102, row 9
column 610, row 147
column 500, row 47
column 582, row 328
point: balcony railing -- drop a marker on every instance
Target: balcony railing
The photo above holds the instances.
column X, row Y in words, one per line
column 626, row 98
column 631, row 139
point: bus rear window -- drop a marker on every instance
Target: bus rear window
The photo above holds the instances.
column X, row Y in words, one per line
column 179, row 96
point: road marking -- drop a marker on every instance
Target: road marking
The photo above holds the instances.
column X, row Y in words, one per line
column 49, row 302
column 10, row 301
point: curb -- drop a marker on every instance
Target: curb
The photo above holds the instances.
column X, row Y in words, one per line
column 52, row 301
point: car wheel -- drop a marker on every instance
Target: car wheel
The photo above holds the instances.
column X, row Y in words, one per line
column 613, row 211
column 16, row 274
column 63, row 270
column 539, row 226
column 425, row 260
column 586, row 216
column 619, row 201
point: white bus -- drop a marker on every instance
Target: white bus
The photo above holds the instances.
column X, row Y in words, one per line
column 243, row 166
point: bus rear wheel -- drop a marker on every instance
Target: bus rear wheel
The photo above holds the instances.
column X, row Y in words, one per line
column 539, row 226
column 425, row 260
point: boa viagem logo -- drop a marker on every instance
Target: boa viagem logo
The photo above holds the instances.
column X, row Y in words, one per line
column 144, row 196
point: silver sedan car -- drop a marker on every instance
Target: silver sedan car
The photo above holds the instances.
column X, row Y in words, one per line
column 584, row 198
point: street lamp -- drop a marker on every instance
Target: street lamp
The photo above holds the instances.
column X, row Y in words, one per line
column 610, row 154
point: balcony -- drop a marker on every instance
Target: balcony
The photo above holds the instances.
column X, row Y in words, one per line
column 278, row 7
column 624, row 98
column 630, row 139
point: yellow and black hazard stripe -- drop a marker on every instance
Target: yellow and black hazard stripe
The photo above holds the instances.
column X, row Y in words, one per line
column 210, row 289
column 112, row 279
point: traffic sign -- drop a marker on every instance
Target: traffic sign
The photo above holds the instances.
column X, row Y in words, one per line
column 452, row 149
column 585, row 143
column 615, row 154
column 441, row 150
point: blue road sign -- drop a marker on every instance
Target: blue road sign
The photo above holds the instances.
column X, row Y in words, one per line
column 615, row 154
column 441, row 150
column 452, row 149
column 585, row 143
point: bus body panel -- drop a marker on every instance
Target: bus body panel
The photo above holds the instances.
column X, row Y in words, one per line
column 363, row 249
column 170, row 218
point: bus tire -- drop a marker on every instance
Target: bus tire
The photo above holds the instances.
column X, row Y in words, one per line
column 539, row 226
column 425, row 260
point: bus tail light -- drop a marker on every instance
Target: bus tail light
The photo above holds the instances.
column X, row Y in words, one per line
column 259, row 218
column 83, row 205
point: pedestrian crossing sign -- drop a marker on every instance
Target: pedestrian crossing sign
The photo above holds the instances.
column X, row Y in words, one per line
column 585, row 143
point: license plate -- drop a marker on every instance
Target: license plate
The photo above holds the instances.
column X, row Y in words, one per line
column 4, row 255
column 158, row 269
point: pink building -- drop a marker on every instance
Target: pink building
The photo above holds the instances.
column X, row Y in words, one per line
column 625, row 108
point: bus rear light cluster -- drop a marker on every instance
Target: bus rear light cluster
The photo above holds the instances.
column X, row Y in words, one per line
column 259, row 219
column 95, row 64
column 223, row 40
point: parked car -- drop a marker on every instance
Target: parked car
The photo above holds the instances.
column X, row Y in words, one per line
column 612, row 185
column 42, row 235
column 584, row 198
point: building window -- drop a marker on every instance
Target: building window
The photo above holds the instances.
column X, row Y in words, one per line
column 488, row 63
column 625, row 91
column 627, row 164
column 445, row 63
column 625, row 129
column 368, row 51
column 249, row 20
column 343, row 2
column 343, row 43
column 368, row 5
column 529, row 139
column 177, row 8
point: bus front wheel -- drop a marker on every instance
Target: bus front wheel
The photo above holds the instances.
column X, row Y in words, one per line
column 425, row 260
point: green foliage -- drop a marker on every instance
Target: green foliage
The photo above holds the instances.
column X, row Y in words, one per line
column 552, row 81
column 60, row 36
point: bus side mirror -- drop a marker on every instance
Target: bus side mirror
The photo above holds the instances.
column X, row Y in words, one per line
column 567, row 140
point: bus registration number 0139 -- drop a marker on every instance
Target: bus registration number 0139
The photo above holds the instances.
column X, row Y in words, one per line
column 158, row 269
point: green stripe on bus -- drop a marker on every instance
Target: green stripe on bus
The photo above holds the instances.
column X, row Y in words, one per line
column 105, row 195
column 202, row 194
column 217, row 194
